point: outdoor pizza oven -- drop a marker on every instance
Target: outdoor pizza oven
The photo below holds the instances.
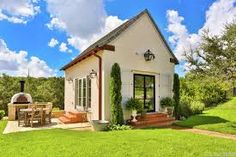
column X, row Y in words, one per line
column 19, row 99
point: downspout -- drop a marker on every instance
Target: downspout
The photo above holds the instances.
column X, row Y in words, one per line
column 99, row 86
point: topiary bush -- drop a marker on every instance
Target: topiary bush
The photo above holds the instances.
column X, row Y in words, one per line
column 167, row 102
column 134, row 104
column 176, row 96
column 2, row 113
column 116, row 97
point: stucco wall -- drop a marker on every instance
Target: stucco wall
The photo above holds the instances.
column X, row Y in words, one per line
column 129, row 49
column 80, row 70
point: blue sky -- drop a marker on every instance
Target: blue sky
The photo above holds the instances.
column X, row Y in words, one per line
column 31, row 31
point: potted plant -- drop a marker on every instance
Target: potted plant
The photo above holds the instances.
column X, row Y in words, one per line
column 134, row 106
column 168, row 104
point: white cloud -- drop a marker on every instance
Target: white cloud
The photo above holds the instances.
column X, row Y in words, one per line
column 83, row 20
column 219, row 13
column 55, row 23
column 63, row 47
column 18, row 11
column 53, row 42
column 18, row 64
column 82, row 43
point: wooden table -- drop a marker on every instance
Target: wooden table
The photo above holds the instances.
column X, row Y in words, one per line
column 30, row 110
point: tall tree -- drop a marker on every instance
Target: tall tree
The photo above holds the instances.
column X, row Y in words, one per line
column 176, row 96
column 216, row 55
column 115, row 93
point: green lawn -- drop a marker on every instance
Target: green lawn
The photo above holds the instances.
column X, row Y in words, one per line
column 221, row 118
column 148, row 142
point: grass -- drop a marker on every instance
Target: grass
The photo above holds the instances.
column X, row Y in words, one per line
column 221, row 119
column 148, row 142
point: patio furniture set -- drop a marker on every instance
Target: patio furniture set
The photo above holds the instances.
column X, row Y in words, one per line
column 38, row 112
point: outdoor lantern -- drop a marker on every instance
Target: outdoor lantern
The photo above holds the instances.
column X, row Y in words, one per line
column 148, row 55
column 70, row 80
column 93, row 74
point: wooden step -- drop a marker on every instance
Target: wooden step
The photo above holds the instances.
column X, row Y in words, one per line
column 160, row 124
column 74, row 117
column 152, row 121
column 155, row 115
column 64, row 120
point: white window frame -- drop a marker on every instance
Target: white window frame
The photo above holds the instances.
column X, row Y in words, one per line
column 79, row 95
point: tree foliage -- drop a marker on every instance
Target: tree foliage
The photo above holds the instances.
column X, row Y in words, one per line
column 116, row 97
column 41, row 89
column 216, row 55
column 207, row 90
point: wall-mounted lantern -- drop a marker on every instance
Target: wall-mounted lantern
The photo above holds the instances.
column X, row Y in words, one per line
column 148, row 55
column 70, row 80
column 93, row 74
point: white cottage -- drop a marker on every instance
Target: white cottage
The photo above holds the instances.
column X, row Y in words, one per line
column 147, row 78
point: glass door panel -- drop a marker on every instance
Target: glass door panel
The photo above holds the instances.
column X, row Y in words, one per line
column 144, row 90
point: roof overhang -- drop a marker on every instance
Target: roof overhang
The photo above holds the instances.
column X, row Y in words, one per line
column 88, row 54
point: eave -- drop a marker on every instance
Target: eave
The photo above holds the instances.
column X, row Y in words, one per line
column 88, row 54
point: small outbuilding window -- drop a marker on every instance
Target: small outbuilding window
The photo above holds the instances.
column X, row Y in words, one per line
column 83, row 92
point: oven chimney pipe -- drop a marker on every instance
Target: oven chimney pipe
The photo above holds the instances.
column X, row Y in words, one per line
column 22, row 86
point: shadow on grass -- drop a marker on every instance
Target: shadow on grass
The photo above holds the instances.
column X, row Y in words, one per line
column 200, row 120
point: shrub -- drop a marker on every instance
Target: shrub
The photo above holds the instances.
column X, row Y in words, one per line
column 211, row 94
column 189, row 108
column 176, row 96
column 118, row 127
column 167, row 102
column 197, row 107
column 134, row 104
column 115, row 93
column 2, row 113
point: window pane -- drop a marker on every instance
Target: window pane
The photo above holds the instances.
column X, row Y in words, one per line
column 80, row 93
column 139, row 93
column 89, row 92
column 139, row 81
column 76, row 92
column 84, row 92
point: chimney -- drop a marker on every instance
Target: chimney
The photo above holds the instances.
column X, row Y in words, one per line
column 22, row 86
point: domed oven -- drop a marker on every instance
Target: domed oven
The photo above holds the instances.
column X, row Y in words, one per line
column 19, row 99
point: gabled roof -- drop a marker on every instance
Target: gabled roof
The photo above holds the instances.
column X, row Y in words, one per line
column 104, row 41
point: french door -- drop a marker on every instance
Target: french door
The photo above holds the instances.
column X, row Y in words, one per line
column 144, row 91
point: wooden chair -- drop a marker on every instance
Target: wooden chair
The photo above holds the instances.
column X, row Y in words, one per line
column 37, row 115
column 21, row 116
column 48, row 114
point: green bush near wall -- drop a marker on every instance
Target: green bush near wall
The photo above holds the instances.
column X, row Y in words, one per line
column 176, row 96
column 115, row 94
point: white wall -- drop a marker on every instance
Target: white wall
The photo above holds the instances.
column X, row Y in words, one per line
column 129, row 49
column 80, row 70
